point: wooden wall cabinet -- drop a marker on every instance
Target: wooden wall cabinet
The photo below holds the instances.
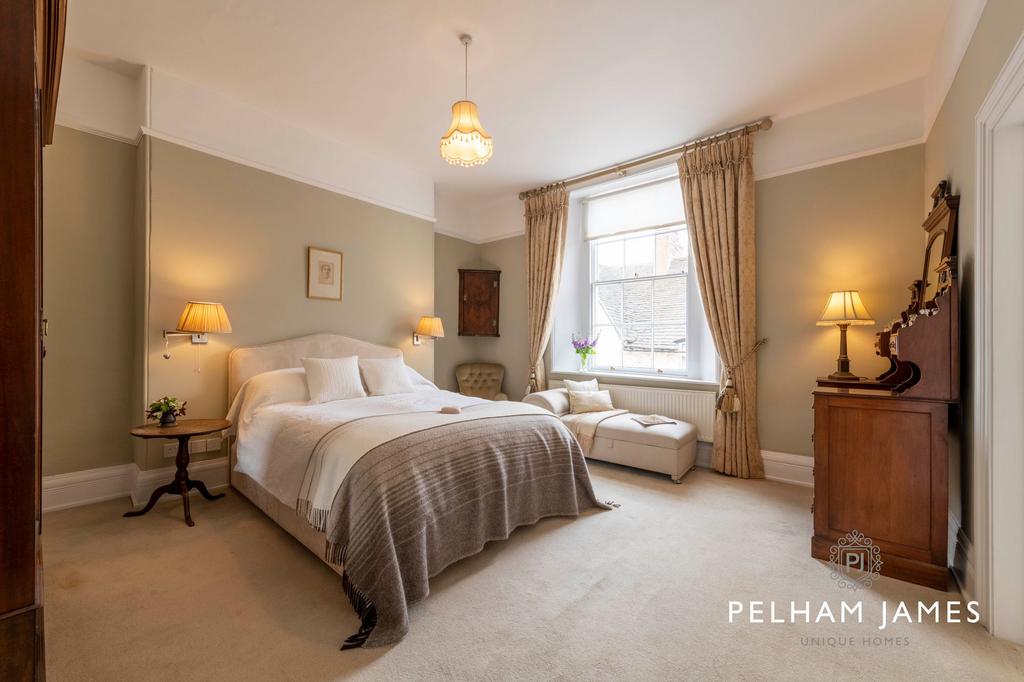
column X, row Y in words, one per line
column 881, row 466
column 479, row 293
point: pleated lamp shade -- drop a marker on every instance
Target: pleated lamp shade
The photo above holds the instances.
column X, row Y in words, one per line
column 430, row 326
column 201, row 317
column 845, row 307
column 466, row 143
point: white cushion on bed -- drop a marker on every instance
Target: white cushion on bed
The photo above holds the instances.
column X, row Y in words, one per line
column 278, row 386
column 384, row 376
column 333, row 379
column 419, row 381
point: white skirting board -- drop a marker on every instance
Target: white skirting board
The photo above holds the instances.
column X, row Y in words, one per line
column 85, row 487
column 963, row 560
column 778, row 466
column 125, row 480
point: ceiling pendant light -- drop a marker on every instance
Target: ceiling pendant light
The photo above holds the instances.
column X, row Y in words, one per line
column 466, row 143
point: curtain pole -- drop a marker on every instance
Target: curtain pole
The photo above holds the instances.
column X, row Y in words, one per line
column 620, row 169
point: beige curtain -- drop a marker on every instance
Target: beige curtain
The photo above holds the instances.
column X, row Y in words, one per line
column 546, row 215
column 718, row 192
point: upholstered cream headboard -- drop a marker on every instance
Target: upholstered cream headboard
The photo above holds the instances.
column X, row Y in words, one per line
column 249, row 361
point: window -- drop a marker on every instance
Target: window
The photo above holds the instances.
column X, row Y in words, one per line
column 638, row 301
column 634, row 274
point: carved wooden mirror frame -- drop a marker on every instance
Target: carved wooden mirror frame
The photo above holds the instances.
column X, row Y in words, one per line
column 938, row 269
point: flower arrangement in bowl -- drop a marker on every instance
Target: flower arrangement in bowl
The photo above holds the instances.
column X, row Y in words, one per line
column 585, row 348
column 167, row 410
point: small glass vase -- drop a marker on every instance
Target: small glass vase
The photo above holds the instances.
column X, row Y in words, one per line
column 584, row 362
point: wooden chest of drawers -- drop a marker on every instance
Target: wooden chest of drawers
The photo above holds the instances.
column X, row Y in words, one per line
column 881, row 464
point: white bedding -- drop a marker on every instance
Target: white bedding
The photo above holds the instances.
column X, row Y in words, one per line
column 274, row 441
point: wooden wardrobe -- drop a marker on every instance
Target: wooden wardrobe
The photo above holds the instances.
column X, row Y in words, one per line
column 31, row 45
column 881, row 448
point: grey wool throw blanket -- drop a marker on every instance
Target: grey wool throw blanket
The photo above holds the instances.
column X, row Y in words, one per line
column 430, row 490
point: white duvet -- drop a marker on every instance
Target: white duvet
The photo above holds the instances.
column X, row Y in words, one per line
column 275, row 439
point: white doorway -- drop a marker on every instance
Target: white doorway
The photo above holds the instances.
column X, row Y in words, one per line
column 998, row 360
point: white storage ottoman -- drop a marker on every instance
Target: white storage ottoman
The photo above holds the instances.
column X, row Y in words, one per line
column 665, row 448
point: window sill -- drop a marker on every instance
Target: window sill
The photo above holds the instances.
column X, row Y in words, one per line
column 627, row 379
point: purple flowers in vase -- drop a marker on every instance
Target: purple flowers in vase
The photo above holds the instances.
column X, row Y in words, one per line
column 585, row 348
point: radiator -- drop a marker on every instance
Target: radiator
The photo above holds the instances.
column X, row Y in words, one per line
column 695, row 407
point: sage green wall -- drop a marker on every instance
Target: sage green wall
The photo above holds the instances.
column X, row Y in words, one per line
column 88, row 298
column 450, row 254
column 221, row 231
column 949, row 154
column 511, row 348
column 849, row 225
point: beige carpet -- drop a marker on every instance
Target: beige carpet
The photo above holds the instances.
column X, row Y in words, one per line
column 638, row 593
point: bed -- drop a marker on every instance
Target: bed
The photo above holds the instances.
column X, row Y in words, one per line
column 391, row 489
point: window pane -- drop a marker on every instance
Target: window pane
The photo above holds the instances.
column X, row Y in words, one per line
column 608, row 261
column 645, row 206
column 609, row 347
column 669, row 347
column 639, row 258
column 607, row 304
column 670, row 299
column 671, row 252
column 636, row 302
column 636, row 347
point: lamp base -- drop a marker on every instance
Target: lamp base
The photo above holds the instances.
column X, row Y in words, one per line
column 844, row 376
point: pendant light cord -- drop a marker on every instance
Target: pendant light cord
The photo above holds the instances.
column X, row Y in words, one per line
column 465, row 46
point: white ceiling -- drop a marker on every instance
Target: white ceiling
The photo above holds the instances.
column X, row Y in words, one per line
column 564, row 86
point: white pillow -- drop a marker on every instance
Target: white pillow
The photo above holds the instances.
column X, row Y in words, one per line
column 333, row 379
column 419, row 381
column 588, row 385
column 269, row 388
column 384, row 376
column 590, row 401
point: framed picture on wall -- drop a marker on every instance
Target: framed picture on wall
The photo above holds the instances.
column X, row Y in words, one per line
column 324, row 274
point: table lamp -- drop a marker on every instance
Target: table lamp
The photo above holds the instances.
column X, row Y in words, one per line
column 844, row 308
column 429, row 327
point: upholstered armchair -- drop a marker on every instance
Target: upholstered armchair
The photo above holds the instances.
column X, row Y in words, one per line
column 481, row 380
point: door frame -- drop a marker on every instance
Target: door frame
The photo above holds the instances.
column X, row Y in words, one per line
column 1001, row 596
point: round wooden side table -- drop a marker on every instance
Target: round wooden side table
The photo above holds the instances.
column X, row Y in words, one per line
column 182, row 430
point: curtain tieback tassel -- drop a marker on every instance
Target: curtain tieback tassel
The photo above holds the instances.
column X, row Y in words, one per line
column 728, row 401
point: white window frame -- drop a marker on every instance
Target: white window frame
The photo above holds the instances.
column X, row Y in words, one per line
column 592, row 293
column 574, row 305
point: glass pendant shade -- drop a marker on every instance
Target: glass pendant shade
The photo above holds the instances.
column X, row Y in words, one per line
column 466, row 143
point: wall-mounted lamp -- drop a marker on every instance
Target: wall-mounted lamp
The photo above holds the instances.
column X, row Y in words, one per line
column 429, row 327
column 197, row 320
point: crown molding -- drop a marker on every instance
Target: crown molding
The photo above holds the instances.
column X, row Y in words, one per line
column 120, row 106
column 251, row 163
